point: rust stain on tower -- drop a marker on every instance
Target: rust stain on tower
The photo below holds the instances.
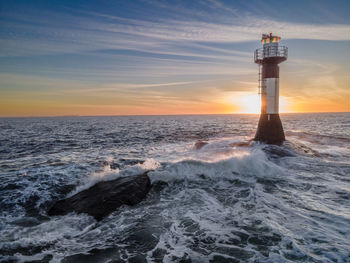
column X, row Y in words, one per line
column 270, row 129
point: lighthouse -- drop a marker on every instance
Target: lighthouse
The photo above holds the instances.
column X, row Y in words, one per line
column 270, row 129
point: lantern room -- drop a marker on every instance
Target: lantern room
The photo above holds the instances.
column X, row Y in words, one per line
column 270, row 50
column 269, row 39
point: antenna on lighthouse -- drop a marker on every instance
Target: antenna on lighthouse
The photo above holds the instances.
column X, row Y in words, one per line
column 268, row 57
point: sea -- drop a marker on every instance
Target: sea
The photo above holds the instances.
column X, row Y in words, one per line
column 217, row 196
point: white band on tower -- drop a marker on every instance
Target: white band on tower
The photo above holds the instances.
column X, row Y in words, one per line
column 271, row 95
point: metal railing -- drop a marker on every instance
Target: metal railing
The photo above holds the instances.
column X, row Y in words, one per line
column 272, row 51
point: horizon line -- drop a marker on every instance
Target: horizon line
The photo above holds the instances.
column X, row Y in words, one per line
column 183, row 114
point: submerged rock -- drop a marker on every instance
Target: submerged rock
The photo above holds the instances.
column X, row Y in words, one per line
column 278, row 151
column 26, row 222
column 241, row 144
column 114, row 166
column 200, row 144
column 105, row 197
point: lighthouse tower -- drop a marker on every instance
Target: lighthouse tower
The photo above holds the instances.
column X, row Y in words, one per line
column 268, row 57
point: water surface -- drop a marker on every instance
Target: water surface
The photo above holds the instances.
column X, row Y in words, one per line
column 221, row 203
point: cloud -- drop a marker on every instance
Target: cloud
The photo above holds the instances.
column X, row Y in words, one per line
column 238, row 29
column 94, row 31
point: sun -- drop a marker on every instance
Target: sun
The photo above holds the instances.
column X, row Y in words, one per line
column 250, row 103
column 247, row 102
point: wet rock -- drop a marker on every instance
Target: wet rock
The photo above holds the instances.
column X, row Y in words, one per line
column 26, row 222
column 241, row 144
column 114, row 166
column 138, row 259
column 278, row 151
column 159, row 186
column 200, row 144
column 105, row 197
column 45, row 259
column 221, row 259
column 126, row 162
column 302, row 149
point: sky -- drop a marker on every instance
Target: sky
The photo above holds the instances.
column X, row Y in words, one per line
column 147, row 57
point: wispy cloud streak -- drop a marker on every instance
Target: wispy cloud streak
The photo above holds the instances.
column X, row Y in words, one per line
column 101, row 31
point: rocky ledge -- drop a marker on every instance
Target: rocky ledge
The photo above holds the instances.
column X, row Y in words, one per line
column 105, row 197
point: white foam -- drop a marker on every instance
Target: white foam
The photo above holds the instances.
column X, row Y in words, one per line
column 255, row 163
column 147, row 165
column 109, row 174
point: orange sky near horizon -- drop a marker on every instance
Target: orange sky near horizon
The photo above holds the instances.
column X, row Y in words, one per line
column 235, row 102
column 51, row 97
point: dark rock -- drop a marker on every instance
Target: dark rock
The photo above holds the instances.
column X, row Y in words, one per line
column 125, row 162
column 200, row 144
column 45, row 259
column 105, row 197
column 26, row 222
column 138, row 259
column 159, row 186
column 278, row 151
column 114, row 166
column 221, row 259
column 131, row 161
column 241, row 144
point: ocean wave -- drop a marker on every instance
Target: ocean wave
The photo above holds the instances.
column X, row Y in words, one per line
column 248, row 165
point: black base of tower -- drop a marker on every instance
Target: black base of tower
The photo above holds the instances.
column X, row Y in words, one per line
column 270, row 129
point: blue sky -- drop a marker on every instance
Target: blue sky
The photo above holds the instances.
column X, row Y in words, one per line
column 167, row 57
